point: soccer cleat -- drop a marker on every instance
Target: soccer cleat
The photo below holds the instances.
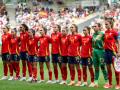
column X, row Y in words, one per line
column 72, row 83
column 11, row 78
column 78, row 84
column 63, row 82
column 107, row 85
column 29, row 79
column 84, row 84
column 117, row 87
column 17, row 78
column 55, row 81
column 92, row 84
column 95, row 85
column 49, row 82
column 40, row 81
column 23, row 79
column 4, row 78
column 33, row 81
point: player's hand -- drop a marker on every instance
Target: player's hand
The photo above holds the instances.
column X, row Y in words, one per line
column 60, row 58
column 118, row 54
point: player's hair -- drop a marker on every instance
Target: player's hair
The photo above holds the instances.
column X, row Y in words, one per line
column 59, row 27
column 45, row 30
column 88, row 28
column 111, row 22
column 25, row 26
column 76, row 27
column 99, row 25
column 7, row 27
column 65, row 28
column 33, row 32
column 15, row 30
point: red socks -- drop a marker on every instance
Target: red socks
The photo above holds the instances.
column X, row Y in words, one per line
column 34, row 73
column 64, row 73
column 42, row 74
column 109, row 75
column 91, row 73
column 17, row 69
column 50, row 75
column 79, row 74
column 5, row 69
column 117, row 78
column 10, row 69
column 84, row 73
column 56, row 72
column 72, row 72
column 29, row 68
column 24, row 68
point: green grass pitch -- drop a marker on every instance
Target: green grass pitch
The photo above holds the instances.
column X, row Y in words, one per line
column 22, row 85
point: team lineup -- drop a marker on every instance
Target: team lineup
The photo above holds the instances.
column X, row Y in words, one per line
column 70, row 52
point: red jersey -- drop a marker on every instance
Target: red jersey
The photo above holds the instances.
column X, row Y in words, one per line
column 23, row 41
column 43, row 49
column 5, row 43
column 14, row 45
column 64, row 45
column 110, row 40
column 74, row 45
column 32, row 45
column 55, row 40
column 86, row 48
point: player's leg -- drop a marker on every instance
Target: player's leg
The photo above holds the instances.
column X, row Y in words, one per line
column 64, row 70
column 71, row 62
column 49, row 69
column 90, row 67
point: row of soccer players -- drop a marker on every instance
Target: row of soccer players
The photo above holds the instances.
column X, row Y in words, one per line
column 69, row 49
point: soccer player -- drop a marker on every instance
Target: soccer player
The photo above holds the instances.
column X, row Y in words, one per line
column 32, row 52
column 98, row 54
column 14, row 53
column 43, row 54
column 23, row 52
column 74, row 54
column 64, row 53
column 6, row 53
column 110, row 52
column 55, row 36
column 86, row 56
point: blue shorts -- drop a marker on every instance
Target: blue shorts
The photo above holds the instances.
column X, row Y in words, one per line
column 108, row 56
column 73, row 60
column 32, row 58
column 55, row 58
column 6, row 57
column 44, row 59
column 23, row 56
column 64, row 59
column 14, row 57
column 86, row 61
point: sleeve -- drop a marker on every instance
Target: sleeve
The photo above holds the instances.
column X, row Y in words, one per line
column 115, row 34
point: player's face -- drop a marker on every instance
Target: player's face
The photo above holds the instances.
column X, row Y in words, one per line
column 21, row 28
column 107, row 25
column 55, row 28
column 5, row 30
column 42, row 32
column 85, row 31
column 64, row 31
column 30, row 33
column 96, row 28
column 73, row 28
column 13, row 32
